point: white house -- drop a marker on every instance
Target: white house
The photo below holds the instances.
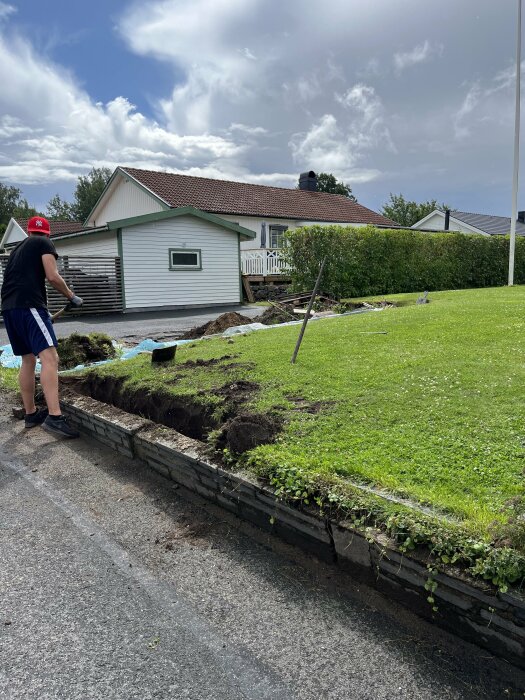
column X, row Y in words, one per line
column 174, row 258
column 466, row 222
column 268, row 211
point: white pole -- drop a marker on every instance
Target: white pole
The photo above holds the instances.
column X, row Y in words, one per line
column 516, row 154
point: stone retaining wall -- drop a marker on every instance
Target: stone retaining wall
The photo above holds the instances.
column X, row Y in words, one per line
column 472, row 611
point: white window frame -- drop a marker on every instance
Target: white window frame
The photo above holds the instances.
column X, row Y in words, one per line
column 276, row 230
column 197, row 251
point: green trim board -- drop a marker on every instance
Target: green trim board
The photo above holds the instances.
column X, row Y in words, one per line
column 179, row 266
column 246, row 233
column 122, row 171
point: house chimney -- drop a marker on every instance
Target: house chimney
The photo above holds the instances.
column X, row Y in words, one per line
column 447, row 219
column 308, row 181
column 521, row 217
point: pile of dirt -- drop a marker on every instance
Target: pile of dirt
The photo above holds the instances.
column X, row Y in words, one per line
column 278, row 313
column 219, row 325
column 78, row 349
column 247, row 431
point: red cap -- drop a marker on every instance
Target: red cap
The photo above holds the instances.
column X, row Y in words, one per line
column 37, row 224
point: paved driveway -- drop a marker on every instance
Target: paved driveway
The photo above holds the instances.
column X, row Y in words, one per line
column 160, row 325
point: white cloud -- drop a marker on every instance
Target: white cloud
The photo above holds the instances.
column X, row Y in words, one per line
column 471, row 101
column 54, row 131
column 287, row 90
column 6, row 10
column 368, row 127
column 326, row 148
column 248, row 54
column 419, row 54
column 486, row 112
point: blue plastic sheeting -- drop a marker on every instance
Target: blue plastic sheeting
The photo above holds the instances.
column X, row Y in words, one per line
column 7, row 359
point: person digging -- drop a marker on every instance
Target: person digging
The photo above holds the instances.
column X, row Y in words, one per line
column 28, row 323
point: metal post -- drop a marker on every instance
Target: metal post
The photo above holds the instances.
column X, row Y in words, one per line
column 514, row 215
column 308, row 310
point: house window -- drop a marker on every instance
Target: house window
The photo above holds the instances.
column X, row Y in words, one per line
column 185, row 259
column 277, row 236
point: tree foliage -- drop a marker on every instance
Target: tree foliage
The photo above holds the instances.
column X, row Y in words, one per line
column 13, row 205
column 407, row 213
column 326, row 182
column 60, row 210
column 88, row 190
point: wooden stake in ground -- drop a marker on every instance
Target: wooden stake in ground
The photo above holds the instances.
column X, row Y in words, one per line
column 311, row 303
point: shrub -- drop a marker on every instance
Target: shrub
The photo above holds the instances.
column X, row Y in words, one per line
column 368, row 261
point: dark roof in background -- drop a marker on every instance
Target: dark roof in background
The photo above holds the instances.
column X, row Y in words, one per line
column 57, row 227
column 493, row 225
column 228, row 197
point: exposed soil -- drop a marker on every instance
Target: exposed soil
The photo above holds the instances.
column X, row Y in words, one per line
column 219, row 325
column 239, row 390
column 247, row 431
column 278, row 313
column 78, row 349
column 206, row 363
column 186, row 415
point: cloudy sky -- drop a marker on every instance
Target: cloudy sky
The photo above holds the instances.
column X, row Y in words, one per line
column 390, row 95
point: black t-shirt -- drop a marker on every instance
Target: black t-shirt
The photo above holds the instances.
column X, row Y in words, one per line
column 24, row 284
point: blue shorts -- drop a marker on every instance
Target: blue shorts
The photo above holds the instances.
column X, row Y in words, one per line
column 30, row 330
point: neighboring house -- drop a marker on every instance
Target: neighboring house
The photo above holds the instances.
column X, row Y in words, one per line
column 16, row 230
column 465, row 222
column 268, row 211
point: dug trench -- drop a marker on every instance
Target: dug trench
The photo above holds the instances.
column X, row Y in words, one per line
column 232, row 426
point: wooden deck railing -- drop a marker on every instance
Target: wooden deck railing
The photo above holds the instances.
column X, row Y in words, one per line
column 95, row 278
column 262, row 262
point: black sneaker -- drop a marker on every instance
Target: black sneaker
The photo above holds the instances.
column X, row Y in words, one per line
column 37, row 418
column 59, row 426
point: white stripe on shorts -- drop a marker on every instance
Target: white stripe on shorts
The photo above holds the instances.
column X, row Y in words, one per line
column 42, row 326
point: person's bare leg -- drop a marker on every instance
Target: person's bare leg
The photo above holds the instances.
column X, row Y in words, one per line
column 26, row 380
column 49, row 379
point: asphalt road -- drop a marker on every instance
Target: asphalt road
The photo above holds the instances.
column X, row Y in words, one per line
column 116, row 585
column 134, row 327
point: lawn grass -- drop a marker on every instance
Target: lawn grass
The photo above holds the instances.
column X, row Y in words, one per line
column 433, row 410
column 8, row 379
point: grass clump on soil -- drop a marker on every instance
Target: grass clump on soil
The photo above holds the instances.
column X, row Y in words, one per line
column 8, row 379
column 410, row 419
column 79, row 349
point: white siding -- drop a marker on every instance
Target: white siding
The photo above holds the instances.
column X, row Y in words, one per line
column 437, row 223
column 126, row 199
column 149, row 283
column 13, row 233
column 93, row 244
column 254, row 224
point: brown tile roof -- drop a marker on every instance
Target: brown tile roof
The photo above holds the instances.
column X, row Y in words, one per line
column 227, row 197
column 57, row 227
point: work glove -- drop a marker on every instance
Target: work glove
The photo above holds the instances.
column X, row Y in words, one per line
column 76, row 302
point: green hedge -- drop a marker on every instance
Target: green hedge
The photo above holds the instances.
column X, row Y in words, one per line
column 367, row 261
